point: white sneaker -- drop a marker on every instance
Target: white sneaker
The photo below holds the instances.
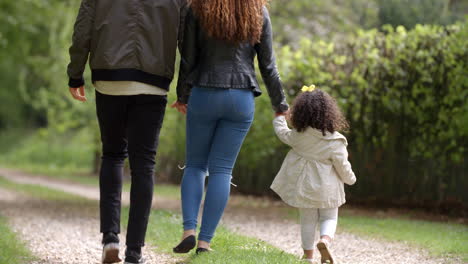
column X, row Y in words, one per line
column 110, row 253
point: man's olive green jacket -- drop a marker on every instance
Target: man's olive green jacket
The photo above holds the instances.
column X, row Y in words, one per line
column 127, row 40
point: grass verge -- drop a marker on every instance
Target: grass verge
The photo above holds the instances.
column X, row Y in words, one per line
column 43, row 151
column 41, row 192
column 61, row 156
column 12, row 250
column 440, row 239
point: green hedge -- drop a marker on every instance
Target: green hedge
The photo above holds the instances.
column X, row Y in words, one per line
column 409, row 13
column 405, row 94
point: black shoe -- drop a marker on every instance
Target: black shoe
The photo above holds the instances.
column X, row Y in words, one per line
column 202, row 250
column 110, row 250
column 186, row 245
column 133, row 257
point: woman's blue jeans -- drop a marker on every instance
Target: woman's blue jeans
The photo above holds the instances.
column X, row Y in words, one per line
column 217, row 122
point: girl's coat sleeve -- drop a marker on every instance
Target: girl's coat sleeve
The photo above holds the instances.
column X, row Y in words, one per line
column 342, row 165
column 282, row 130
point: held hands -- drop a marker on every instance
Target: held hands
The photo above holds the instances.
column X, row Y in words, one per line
column 285, row 114
column 78, row 93
column 181, row 107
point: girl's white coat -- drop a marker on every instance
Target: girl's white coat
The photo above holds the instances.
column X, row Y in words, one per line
column 313, row 172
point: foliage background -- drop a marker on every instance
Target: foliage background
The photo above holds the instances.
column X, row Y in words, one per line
column 403, row 88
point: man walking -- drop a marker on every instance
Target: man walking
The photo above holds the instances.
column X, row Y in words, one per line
column 131, row 46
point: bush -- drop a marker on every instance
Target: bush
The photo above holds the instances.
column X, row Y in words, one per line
column 47, row 151
column 409, row 13
column 405, row 95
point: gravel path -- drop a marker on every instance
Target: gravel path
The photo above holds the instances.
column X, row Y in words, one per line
column 265, row 220
column 60, row 232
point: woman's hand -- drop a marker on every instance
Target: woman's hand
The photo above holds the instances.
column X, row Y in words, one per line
column 182, row 108
column 78, row 93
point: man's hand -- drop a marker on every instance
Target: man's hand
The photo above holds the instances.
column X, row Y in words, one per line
column 182, row 108
column 78, row 93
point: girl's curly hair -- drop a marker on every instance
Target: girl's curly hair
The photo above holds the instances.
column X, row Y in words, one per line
column 233, row 21
column 317, row 109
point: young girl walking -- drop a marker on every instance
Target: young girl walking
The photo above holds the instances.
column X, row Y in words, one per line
column 312, row 175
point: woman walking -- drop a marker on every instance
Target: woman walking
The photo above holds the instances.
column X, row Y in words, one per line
column 216, row 88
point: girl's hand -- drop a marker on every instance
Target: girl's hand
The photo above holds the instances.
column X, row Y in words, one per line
column 78, row 93
column 288, row 115
column 182, row 108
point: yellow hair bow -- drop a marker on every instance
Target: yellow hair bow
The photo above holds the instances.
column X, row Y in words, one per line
column 308, row 88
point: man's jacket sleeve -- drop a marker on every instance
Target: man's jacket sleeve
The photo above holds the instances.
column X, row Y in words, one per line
column 81, row 42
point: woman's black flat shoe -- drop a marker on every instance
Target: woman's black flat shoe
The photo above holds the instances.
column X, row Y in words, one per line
column 202, row 250
column 186, row 245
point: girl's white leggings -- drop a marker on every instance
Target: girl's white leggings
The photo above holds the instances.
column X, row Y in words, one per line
column 310, row 217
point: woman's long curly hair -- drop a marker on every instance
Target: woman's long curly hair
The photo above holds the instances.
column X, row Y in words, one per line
column 317, row 109
column 233, row 21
